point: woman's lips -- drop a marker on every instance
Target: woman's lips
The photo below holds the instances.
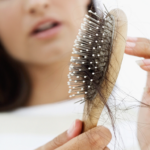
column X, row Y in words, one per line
column 49, row 33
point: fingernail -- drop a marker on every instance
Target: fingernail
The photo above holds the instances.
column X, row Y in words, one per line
column 147, row 89
column 130, row 45
column 140, row 62
column 133, row 39
column 146, row 62
column 71, row 129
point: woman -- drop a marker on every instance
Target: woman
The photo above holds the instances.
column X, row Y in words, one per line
column 36, row 42
column 141, row 47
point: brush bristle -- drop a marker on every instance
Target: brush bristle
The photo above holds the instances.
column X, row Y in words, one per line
column 91, row 54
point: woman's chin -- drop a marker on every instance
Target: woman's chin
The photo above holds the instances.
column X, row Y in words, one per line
column 51, row 59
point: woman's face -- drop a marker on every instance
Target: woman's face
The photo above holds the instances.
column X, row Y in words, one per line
column 40, row 31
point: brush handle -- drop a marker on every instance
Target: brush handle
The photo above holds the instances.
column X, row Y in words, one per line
column 91, row 114
column 93, row 111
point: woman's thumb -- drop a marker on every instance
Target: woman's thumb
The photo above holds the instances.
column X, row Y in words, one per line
column 61, row 139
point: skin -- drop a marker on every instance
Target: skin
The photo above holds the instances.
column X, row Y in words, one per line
column 47, row 60
column 141, row 47
column 95, row 139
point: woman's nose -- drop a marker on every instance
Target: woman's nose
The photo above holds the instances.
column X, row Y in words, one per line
column 37, row 7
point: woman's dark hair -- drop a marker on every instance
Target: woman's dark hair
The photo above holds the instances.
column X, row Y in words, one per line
column 91, row 5
column 15, row 85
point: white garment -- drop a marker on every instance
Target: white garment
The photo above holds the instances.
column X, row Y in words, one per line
column 29, row 128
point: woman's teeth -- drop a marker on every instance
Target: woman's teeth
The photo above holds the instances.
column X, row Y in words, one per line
column 45, row 26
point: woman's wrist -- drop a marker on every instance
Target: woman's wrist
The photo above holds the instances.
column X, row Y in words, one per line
column 144, row 118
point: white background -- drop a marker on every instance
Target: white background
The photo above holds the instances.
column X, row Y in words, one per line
column 28, row 128
column 131, row 79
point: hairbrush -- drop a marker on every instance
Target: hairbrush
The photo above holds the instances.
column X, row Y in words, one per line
column 96, row 61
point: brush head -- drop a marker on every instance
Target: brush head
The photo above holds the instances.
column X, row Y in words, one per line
column 91, row 55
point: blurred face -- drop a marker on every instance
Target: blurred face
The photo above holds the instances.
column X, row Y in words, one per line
column 40, row 31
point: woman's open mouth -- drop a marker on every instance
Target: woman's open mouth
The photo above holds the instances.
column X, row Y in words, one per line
column 46, row 30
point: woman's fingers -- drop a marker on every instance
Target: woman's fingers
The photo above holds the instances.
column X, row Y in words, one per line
column 96, row 139
column 138, row 47
column 74, row 130
column 144, row 64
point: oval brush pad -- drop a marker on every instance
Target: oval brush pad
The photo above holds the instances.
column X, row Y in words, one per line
column 92, row 51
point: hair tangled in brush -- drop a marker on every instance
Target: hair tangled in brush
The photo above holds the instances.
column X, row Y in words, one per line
column 91, row 59
column 92, row 51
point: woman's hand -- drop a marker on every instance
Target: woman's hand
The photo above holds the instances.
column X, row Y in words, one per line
column 95, row 139
column 141, row 47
